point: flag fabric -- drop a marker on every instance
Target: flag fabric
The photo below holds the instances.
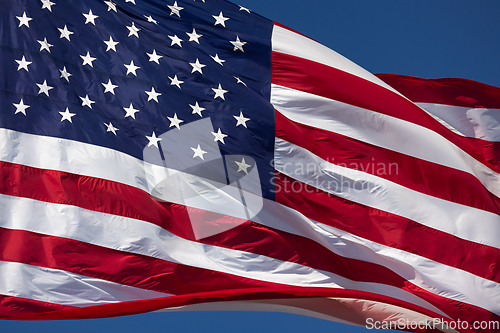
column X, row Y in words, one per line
column 192, row 155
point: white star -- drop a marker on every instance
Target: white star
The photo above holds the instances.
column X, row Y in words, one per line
column 111, row 44
column 219, row 136
column 220, row 19
column 24, row 20
column 90, row 18
column 153, row 95
column 238, row 44
column 150, row 19
column 154, row 57
column 47, row 4
column 153, row 140
column 109, row 87
column 245, row 9
column 193, row 37
column 65, row 74
column 44, row 88
column 241, row 120
column 238, row 80
column 175, row 81
column 198, row 152
column 86, row 101
column 175, row 121
column 87, row 59
column 242, row 166
column 130, row 111
column 23, row 64
column 65, row 33
column 219, row 92
column 66, row 115
column 175, row 9
column 44, row 45
column 21, row 107
column 197, row 66
column 218, row 60
column 175, row 40
column 111, row 5
column 131, row 68
column 133, row 30
column 111, row 128
column 197, row 109
column 133, row 1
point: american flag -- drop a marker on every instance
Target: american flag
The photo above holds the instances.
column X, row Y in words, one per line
column 165, row 154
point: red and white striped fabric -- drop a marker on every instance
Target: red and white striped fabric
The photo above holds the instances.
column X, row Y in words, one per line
column 416, row 185
column 385, row 209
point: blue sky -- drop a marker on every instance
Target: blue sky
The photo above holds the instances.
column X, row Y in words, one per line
column 426, row 38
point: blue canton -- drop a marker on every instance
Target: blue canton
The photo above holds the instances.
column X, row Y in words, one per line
column 120, row 74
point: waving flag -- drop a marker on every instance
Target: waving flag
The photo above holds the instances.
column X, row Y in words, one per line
column 194, row 155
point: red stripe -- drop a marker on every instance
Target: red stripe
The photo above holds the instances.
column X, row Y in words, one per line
column 266, row 241
column 86, row 192
column 462, row 311
column 14, row 306
column 134, row 307
column 419, row 175
column 290, row 29
column 315, row 78
column 86, row 185
column 388, row 229
column 117, row 266
column 149, row 273
column 259, row 239
column 247, row 236
column 381, row 227
column 457, row 310
column 154, row 274
column 397, row 232
column 457, row 92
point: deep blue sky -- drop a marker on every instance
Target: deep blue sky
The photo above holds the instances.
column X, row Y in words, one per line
column 426, row 38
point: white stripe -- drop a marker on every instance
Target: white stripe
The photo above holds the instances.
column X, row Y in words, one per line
column 422, row 273
column 387, row 196
column 291, row 43
column 14, row 144
column 422, row 270
column 119, row 167
column 379, row 193
column 379, row 130
column 51, row 153
column 61, row 287
column 429, row 275
column 342, row 243
column 280, row 217
column 439, row 279
column 135, row 236
column 477, row 123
